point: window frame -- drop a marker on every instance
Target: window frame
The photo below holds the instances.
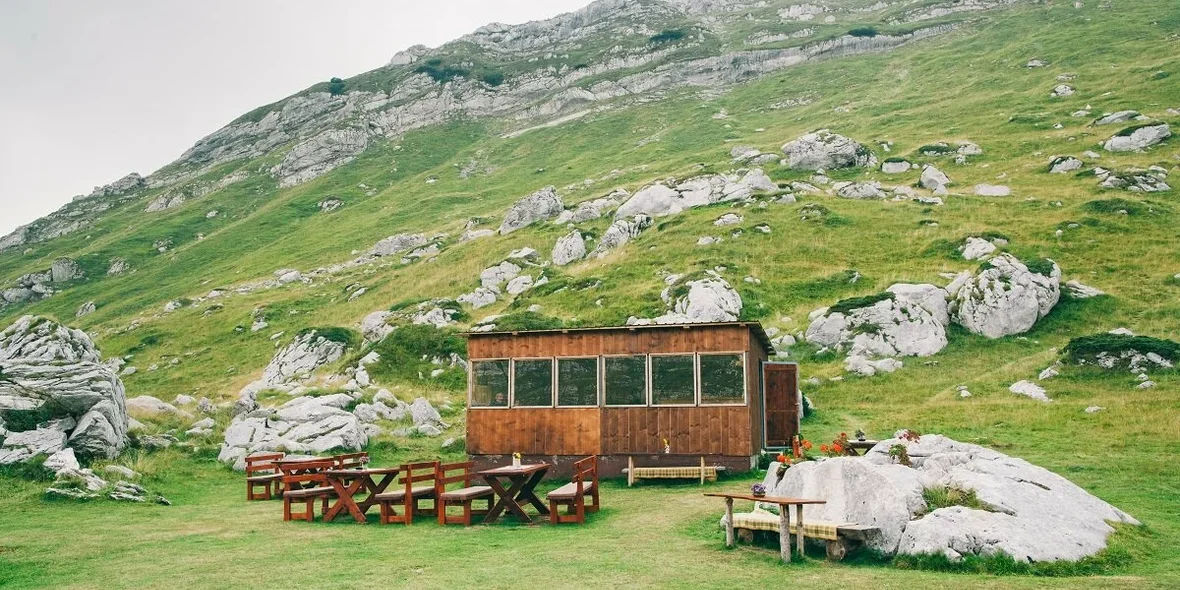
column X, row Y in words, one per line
column 598, row 379
column 696, row 385
column 552, row 381
column 745, row 380
column 471, row 384
column 646, row 381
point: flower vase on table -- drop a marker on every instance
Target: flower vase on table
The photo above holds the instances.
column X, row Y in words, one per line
column 516, row 459
column 758, row 490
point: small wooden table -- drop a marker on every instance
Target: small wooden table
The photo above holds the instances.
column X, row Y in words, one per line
column 784, row 519
column 295, row 466
column 860, row 445
column 523, row 480
column 351, row 483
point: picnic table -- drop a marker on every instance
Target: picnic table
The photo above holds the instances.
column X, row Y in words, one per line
column 860, row 445
column 296, row 466
column 350, row 484
column 784, row 515
column 522, row 480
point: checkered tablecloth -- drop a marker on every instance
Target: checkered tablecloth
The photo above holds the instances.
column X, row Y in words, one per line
column 674, row 473
column 766, row 521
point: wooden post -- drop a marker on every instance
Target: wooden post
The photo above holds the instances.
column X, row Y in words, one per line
column 799, row 528
column 784, row 532
column 729, row 522
column 702, row 470
column 630, row 470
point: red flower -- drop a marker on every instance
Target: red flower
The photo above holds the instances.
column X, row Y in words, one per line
column 823, row 448
column 807, row 445
column 837, row 449
column 781, row 458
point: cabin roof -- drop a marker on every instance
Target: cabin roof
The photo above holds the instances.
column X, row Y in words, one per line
column 755, row 327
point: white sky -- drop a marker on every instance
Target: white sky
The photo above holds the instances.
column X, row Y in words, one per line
column 93, row 90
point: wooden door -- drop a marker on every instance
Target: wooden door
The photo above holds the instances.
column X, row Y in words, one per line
column 780, row 394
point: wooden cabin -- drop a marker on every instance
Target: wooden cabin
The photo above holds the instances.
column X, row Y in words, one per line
column 620, row 392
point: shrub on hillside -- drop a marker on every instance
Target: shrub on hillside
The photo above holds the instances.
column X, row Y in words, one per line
column 1120, row 206
column 1086, row 349
column 863, row 32
column 527, row 320
column 336, row 86
column 406, row 355
column 847, row 305
column 336, row 334
column 667, row 36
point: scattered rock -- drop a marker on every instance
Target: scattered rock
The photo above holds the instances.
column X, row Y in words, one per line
column 933, row 179
column 824, row 150
column 977, row 249
column 1079, row 291
column 1117, row 117
column 1062, row 90
column 1064, row 164
column 1139, row 138
column 992, row 190
column 1029, row 389
column 620, row 232
column 1005, row 297
column 539, row 206
column 569, row 248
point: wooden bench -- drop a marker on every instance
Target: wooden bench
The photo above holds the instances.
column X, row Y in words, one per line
column 840, row 538
column 410, row 496
column 702, row 472
column 262, row 472
column 465, row 496
column 306, row 482
column 573, row 494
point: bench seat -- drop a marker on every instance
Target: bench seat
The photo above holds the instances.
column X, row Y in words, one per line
column 415, row 492
column 265, row 478
column 692, row 472
column 570, row 490
column 468, row 493
column 309, row 492
column 767, row 521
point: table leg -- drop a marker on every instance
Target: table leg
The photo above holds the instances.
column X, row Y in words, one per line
column 799, row 528
column 527, row 493
column 784, row 532
column 729, row 522
column 344, row 500
column 507, row 500
column 375, row 487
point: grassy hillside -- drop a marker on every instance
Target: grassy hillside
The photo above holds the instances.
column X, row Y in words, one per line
column 971, row 85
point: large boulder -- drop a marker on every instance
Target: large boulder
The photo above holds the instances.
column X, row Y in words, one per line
column 302, row 425
column 539, row 206
column 1134, row 139
column 494, row 276
column 569, row 248
column 398, row 244
column 1032, row 513
column 1005, row 297
column 304, row 354
column 884, row 496
column 933, row 179
column 709, row 299
column 906, row 320
column 49, row 367
column 620, row 232
column 659, row 200
column 824, row 150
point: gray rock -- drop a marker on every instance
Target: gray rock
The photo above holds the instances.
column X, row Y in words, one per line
column 569, row 248
column 1064, row 164
column 895, row 167
column 120, row 471
column 374, row 326
column 824, row 150
column 302, row 425
column 992, row 190
column 659, row 200
column 1029, row 389
column 319, row 155
column 45, row 362
column 150, row 406
column 710, row 299
column 977, row 248
column 1062, row 90
column 421, row 412
column 493, row 277
column 398, row 244
column 860, row 190
column 539, row 206
column 429, row 430
column 22, row 446
column 1117, row 117
column 519, row 285
column 1139, row 139
column 933, row 179
column 1005, row 298
column 480, row 297
column 620, row 232
column 912, row 322
column 1079, row 291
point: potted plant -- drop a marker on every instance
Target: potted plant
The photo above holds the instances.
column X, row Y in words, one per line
column 758, row 490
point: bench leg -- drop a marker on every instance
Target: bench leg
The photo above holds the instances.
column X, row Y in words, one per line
column 729, row 522
column 630, row 471
column 784, row 532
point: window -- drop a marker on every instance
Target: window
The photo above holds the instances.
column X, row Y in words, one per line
column 723, row 379
column 626, row 380
column 533, row 383
column 489, row 384
column 577, row 382
column 672, row 380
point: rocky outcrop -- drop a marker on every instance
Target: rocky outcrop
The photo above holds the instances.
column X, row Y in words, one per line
column 397, row 244
column 620, row 232
column 302, row 425
column 295, row 362
column 707, row 299
column 1134, row 139
column 824, row 150
column 1005, row 297
column 1064, row 165
column 933, row 179
column 1029, row 513
column 906, row 320
column 320, row 154
column 49, row 368
column 1152, row 180
column 659, row 199
column 539, row 206
column 39, row 285
column 591, row 210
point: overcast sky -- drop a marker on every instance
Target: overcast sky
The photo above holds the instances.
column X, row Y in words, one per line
column 93, row 90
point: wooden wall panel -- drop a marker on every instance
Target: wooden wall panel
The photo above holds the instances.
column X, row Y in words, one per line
column 534, row 431
column 721, row 430
column 702, row 338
